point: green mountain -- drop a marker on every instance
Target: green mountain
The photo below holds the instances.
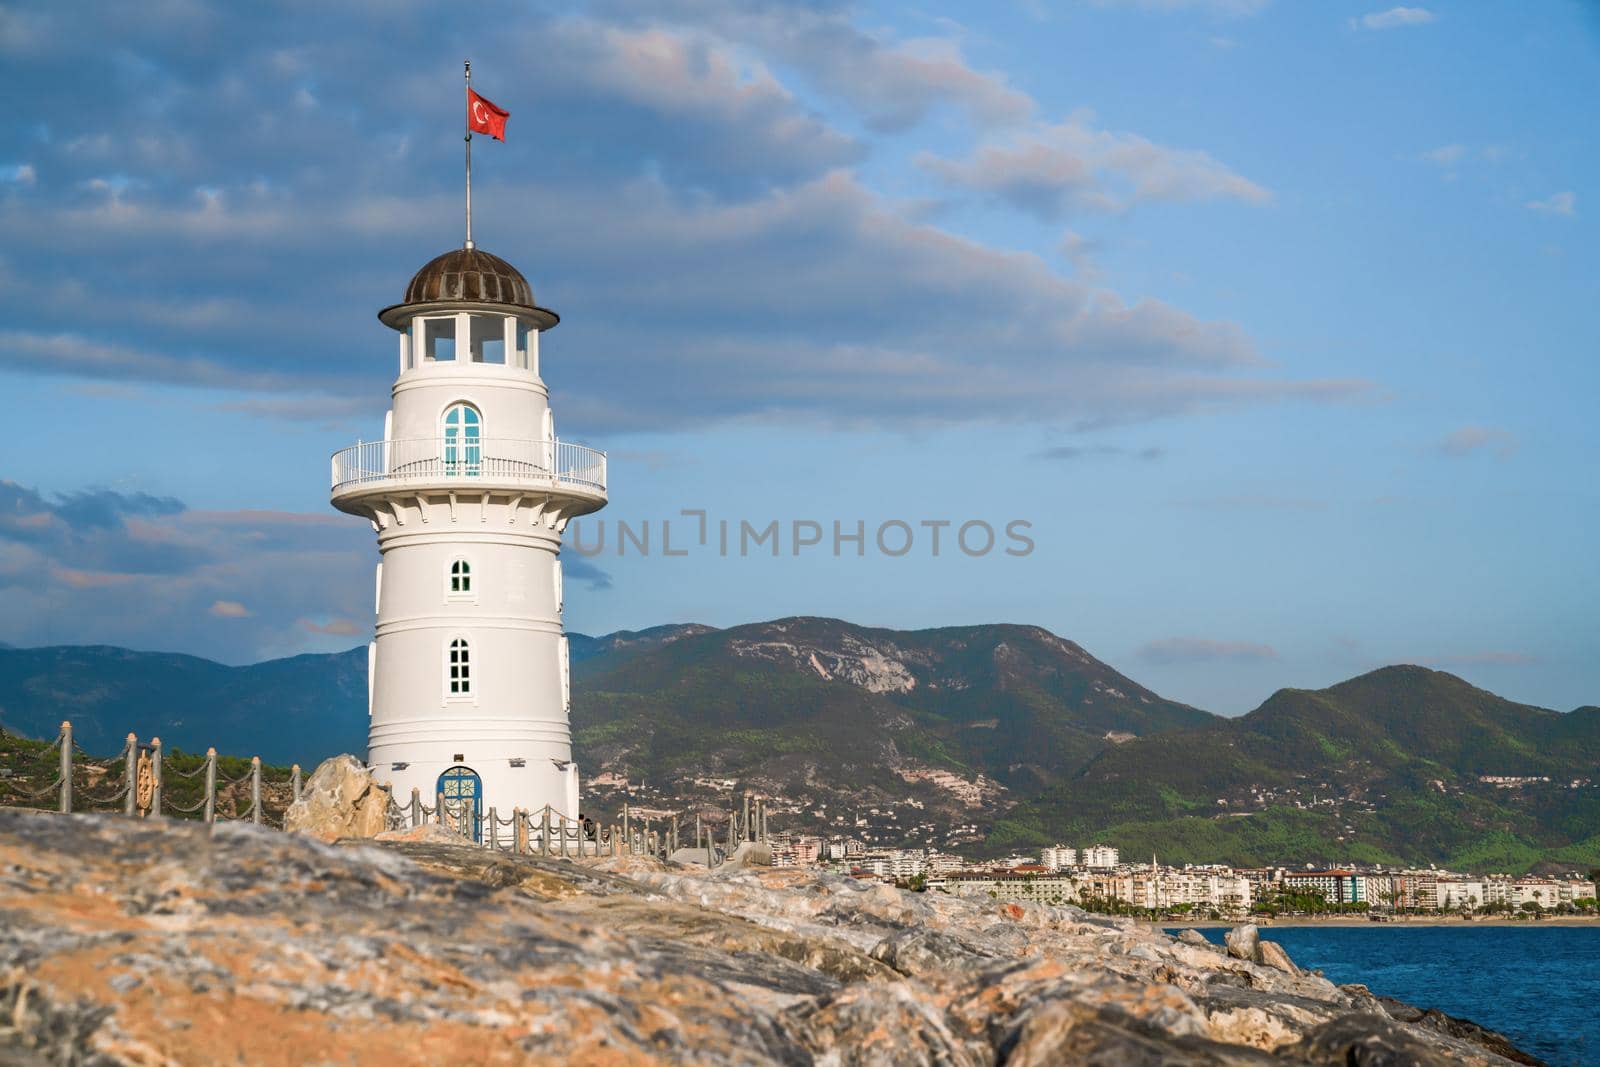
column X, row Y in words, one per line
column 303, row 709
column 1400, row 765
column 984, row 738
column 937, row 729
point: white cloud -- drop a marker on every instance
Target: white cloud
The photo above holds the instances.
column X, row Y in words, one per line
column 711, row 255
column 1393, row 18
column 1052, row 171
column 19, row 174
column 1445, row 155
column 892, row 82
column 229, row 609
column 1472, row 439
column 1555, row 204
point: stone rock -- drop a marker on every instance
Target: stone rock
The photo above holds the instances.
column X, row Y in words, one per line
column 916, row 952
column 429, row 833
column 158, row 941
column 627, row 863
column 692, row 857
column 889, row 1024
column 748, row 854
column 1449, row 1025
column 1378, row 1041
column 1272, row 954
column 340, row 799
column 1196, row 938
column 1243, row 942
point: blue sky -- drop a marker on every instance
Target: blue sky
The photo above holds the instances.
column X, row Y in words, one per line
column 1273, row 321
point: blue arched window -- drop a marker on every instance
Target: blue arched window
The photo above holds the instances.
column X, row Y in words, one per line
column 461, row 801
column 463, row 440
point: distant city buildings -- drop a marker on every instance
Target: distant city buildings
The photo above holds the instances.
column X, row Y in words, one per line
column 1097, row 878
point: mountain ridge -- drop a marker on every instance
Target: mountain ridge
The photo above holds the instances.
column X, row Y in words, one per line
column 982, row 738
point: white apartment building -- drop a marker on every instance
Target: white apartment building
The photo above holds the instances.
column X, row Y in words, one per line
column 1101, row 857
column 1057, row 857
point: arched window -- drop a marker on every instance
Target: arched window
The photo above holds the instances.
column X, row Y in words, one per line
column 460, row 578
column 460, row 668
column 463, row 439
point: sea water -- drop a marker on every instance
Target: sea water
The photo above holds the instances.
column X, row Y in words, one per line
column 1537, row 984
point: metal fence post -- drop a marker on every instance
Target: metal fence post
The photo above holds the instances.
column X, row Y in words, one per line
column 255, row 790
column 66, row 768
column 211, row 786
column 294, row 780
column 130, row 760
column 155, row 777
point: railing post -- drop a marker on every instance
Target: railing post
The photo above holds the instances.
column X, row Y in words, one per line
column 294, row 780
column 438, row 807
column 519, row 831
column 130, row 803
column 627, row 827
column 416, row 806
column 211, row 786
column 494, row 829
column 544, row 837
column 66, row 768
column 155, row 777
column 255, row 790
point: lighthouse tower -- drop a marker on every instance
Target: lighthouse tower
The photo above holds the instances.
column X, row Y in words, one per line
column 469, row 492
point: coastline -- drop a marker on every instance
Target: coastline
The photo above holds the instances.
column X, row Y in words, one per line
column 1419, row 920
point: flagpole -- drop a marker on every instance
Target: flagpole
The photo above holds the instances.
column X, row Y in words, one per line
column 469, row 153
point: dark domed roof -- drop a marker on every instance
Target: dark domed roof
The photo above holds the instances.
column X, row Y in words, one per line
column 472, row 277
column 469, row 274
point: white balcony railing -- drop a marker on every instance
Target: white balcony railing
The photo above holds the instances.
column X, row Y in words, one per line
column 467, row 459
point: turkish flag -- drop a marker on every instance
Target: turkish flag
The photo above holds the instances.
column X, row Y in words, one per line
column 484, row 117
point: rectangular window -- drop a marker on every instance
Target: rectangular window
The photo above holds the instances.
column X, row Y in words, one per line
column 460, row 669
column 524, row 335
column 488, row 339
column 439, row 340
column 566, row 676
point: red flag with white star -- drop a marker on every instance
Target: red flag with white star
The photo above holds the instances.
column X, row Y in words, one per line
column 484, row 117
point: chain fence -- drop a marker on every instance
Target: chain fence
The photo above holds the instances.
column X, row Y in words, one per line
column 144, row 780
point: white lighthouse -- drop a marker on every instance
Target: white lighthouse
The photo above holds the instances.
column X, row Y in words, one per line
column 469, row 492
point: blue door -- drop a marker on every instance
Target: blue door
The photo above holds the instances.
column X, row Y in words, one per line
column 462, row 791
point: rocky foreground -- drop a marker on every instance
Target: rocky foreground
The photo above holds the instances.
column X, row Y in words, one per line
column 162, row 943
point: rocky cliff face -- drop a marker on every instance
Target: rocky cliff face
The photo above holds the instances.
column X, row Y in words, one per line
column 161, row 943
